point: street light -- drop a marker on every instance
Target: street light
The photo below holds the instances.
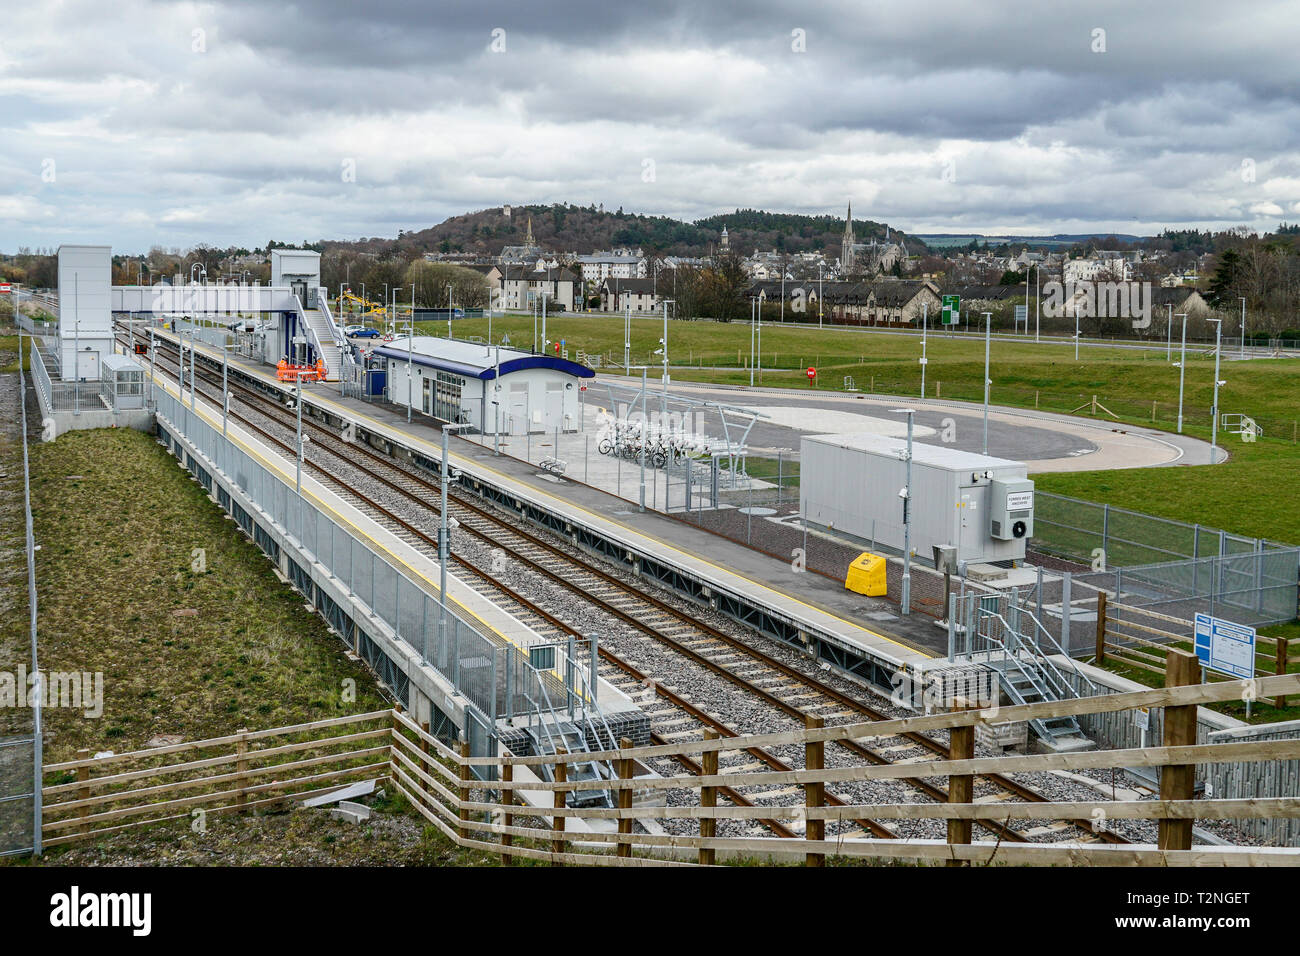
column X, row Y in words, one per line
column 1243, row 326
column 1076, row 331
column 1214, row 423
column 925, row 311
column 988, row 338
column 753, row 305
column 906, row 494
column 819, row 296
column 1182, row 370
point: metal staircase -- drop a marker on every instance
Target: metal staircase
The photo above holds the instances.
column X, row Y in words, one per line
column 329, row 349
column 1026, row 682
column 1010, row 640
column 548, row 738
column 551, row 729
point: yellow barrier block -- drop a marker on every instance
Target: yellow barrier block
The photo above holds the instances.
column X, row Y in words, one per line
column 867, row 575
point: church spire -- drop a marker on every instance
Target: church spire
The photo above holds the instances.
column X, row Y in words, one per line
column 846, row 247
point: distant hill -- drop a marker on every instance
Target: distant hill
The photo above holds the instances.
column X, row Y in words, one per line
column 943, row 240
column 584, row 229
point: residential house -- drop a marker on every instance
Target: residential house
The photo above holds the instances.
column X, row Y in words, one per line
column 639, row 295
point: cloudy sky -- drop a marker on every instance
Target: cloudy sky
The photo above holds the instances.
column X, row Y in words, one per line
column 136, row 123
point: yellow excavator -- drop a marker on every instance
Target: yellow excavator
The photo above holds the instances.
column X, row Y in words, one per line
column 366, row 307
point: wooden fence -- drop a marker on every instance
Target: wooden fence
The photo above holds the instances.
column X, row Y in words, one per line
column 1138, row 637
column 94, row 796
column 521, row 810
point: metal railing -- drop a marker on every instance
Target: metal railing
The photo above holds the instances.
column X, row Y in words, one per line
column 494, row 676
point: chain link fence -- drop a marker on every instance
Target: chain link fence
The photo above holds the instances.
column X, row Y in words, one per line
column 21, row 752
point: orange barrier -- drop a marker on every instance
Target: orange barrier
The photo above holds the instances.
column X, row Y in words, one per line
column 286, row 372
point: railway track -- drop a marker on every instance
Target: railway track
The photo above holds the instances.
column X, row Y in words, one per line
column 759, row 675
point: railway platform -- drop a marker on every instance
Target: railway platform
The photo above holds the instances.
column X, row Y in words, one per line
column 865, row 637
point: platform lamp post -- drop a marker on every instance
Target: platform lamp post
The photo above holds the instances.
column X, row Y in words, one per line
column 496, row 406
column 906, row 494
column 298, row 446
column 153, row 368
column 1182, row 370
column 627, row 338
column 1169, row 334
column 76, row 351
column 410, row 374
column 988, row 338
column 444, row 539
column 1214, row 409
column 645, row 433
column 225, row 394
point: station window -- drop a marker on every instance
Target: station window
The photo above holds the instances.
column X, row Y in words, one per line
column 447, row 397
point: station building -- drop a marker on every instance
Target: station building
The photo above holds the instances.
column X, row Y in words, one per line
column 488, row 387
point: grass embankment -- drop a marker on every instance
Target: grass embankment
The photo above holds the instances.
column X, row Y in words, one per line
column 141, row 578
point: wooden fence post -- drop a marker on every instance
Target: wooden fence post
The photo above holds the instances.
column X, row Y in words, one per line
column 814, row 758
column 462, row 792
column 961, row 787
column 561, row 801
column 625, row 795
column 1178, row 780
column 507, row 818
column 241, row 748
column 1101, row 628
column 709, row 798
column 1280, row 666
column 83, row 793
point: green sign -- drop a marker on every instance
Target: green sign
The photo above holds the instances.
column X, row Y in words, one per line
column 951, row 314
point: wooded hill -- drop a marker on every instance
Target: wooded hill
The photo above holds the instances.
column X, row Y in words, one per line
column 563, row 227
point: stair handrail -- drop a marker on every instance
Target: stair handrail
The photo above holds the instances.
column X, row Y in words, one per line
column 324, row 309
column 1060, row 683
column 1044, row 632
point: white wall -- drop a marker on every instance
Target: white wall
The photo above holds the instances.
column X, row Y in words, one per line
column 85, row 275
column 527, row 402
column 298, row 263
column 90, row 348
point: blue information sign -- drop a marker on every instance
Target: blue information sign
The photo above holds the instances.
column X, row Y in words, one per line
column 1225, row 647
